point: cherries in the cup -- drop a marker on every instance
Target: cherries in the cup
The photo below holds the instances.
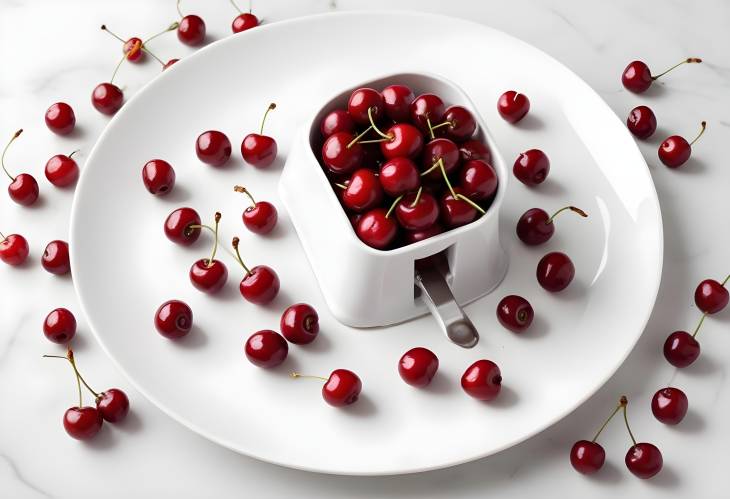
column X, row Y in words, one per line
column 478, row 180
column 260, row 284
column 397, row 100
column 637, row 78
column 377, row 229
column 399, row 176
column 474, row 149
column 427, row 110
column 261, row 216
column 23, row 188
column 458, row 124
column 417, row 211
column 336, row 121
column 362, row 192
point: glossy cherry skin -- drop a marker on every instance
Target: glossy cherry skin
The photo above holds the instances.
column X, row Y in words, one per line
column 420, row 216
column 436, row 149
column 158, row 177
column 711, row 296
column 300, row 323
column 266, row 348
column 478, row 180
column 407, row 142
column 338, row 120
column 512, row 106
column 60, row 118
column 208, row 278
column 107, row 98
column 669, row 405
column 169, row 63
column 425, row 108
column 533, row 227
column 55, row 258
column 191, row 30
column 113, row 405
column 363, row 99
column 376, row 230
column 339, row 158
column 174, row 319
column 641, row 122
column 644, row 460
column 82, row 423
column 14, row 250
column 60, row 326
column 132, row 48
column 260, row 218
column 462, row 124
column 555, row 271
column 414, row 236
column 62, row 170
column 342, row 388
column 397, row 100
column 178, row 226
column 244, row 22
column 260, row 286
column 213, row 148
column 681, row 349
column 587, row 457
column 474, row 149
column 418, row 366
column 482, row 380
column 636, row 77
column 531, row 167
column 675, row 151
column 258, row 150
column 456, row 212
column 515, row 313
column 24, row 189
column 363, row 192
column 399, row 176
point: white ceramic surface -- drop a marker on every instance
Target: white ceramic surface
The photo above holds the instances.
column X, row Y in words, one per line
column 121, row 258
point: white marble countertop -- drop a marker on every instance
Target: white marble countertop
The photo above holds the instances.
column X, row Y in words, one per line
column 53, row 50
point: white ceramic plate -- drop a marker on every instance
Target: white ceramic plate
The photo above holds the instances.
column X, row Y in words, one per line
column 124, row 267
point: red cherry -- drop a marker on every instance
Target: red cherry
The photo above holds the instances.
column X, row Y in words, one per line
column 478, row 180
column 23, row 188
column 512, row 106
column 675, row 150
column 60, row 326
column 158, row 177
column 244, row 21
column 260, row 284
column 712, row 296
column 82, row 423
column 13, row 249
column 456, row 211
column 257, row 149
column 474, row 149
column 341, row 154
column 60, row 118
column 425, row 109
column 536, row 227
column 113, row 405
column 133, row 49
column 641, row 122
column 555, row 271
column 174, row 319
column 261, row 216
column 300, row 323
column 414, row 236
column 62, row 170
column 169, row 63
column 532, row 167
column 439, row 149
column 363, row 192
column 342, row 388
column 587, row 457
column 669, row 405
column 399, row 176
column 681, row 349
column 55, row 258
column 337, row 121
column 213, row 148
column 406, row 142
column 515, row 313
column 417, row 211
column 182, row 226
column 376, row 229
column 397, row 101
column 458, row 124
column 482, row 380
column 637, row 77
column 644, row 460
column 191, row 30
column 418, row 366
column 266, row 349
column 208, row 274
column 363, row 100
column 107, row 98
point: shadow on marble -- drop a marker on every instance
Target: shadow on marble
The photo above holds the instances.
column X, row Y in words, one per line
column 440, row 385
column 692, row 423
column 196, row 338
column 530, row 122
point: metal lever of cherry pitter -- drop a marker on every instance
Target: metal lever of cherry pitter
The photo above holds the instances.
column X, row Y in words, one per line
column 440, row 301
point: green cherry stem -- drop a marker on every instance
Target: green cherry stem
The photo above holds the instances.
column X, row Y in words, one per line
column 725, row 281
column 177, row 6
column 418, row 197
column 445, row 123
column 235, row 243
column 374, row 141
column 571, row 208
column 73, row 152
column 271, row 107
column 215, row 241
column 377, row 130
column 472, row 203
column 431, row 168
column 430, row 128
column 104, row 28
column 236, row 6
column 703, row 127
column 624, row 402
column 686, row 61
column 358, row 137
column 2, row 158
column 446, row 179
column 699, row 325
column 119, row 64
column 243, row 190
column 171, row 27
column 296, row 375
column 608, row 420
column 392, row 206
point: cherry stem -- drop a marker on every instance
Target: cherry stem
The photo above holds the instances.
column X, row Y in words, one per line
column 608, row 420
column 148, row 51
column 725, row 281
column 341, row 186
column 430, row 128
column 418, row 197
column 357, row 138
column 79, row 379
column 703, row 126
column 171, row 27
column 686, row 61
column 375, row 141
column 2, row 236
column 699, row 325
column 104, row 28
column 431, row 168
column 177, row 6
column 271, row 107
column 119, row 64
column 236, row 6
column 392, row 206
column 448, row 182
column 296, row 375
column 215, row 241
column 624, row 403
column 73, row 152
column 234, row 243
column 2, row 158
column 243, row 190
column 472, row 203
column 571, row 208
column 377, row 130
column 445, row 123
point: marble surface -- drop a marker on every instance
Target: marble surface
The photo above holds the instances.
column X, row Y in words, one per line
column 53, row 50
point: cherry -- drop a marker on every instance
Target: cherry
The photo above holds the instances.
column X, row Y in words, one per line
column 515, row 313
column 478, row 180
column 439, row 149
column 675, row 150
column 414, row 236
column 107, row 98
column 644, row 460
column 158, row 177
column 513, row 106
column 213, row 148
column 427, row 110
column 260, row 285
column 376, row 229
column 257, row 149
column 397, row 100
column 637, row 77
column 363, row 191
column 669, row 405
column 399, row 176
column 133, row 48
column 555, row 271
column 587, row 457
column 245, row 20
column 169, row 63
column 641, row 122
column 174, row 319
column 336, row 121
column 13, row 249
column 418, row 366
column 459, row 124
column 536, row 227
column 300, row 323
column 532, row 167
column 82, row 423
column 55, row 258
column 60, row 326
column 362, row 103
column 712, row 296
column 417, row 211
column 482, row 380
column 681, row 348
column 191, row 29
column 208, row 274
column 342, row 388
column 261, row 216
column 458, row 210
column 23, row 188
column 62, row 170
column 341, row 153
column 60, row 118
column 404, row 141
column 266, row 348
column 113, row 405
column 182, row 226
column 474, row 149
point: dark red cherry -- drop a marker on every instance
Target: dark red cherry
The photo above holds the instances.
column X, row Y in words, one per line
column 191, row 30
column 474, row 149
column 418, row 366
column 260, row 218
column 133, row 49
column 244, row 21
column 482, row 380
column 536, row 227
column 266, row 348
column 397, row 100
column 55, row 258
column 82, row 423
column 213, row 148
column 681, row 349
column 669, row 405
column 174, row 319
column 107, row 98
column 341, row 154
column 458, row 124
column 532, row 167
column 24, row 189
column 14, row 249
column 555, row 271
column 417, row 211
column 399, row 176
column 258, row 149
column 644, row 460
column 675, row 150
column 338, row 120
column 637, row 78
column 513, row 106
column 515, row 313
column 60, row 118
column 425, row 109
column 478, row 180
column 406, row 142
column 300, row 323
column 60, row 326
column 62, row 170
column 439, row 149
column 169, row 63
column 208, row 276
column 113, row 405
column 587, row 457
column 711, row 296
column 363, row 191
column 456, row 212
column 376, row 229
column 641, row 122
column 363, row 99
column 158, row 177
column 342, row 388
column 414, row 236
column 260, row 285
column 182, row 226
